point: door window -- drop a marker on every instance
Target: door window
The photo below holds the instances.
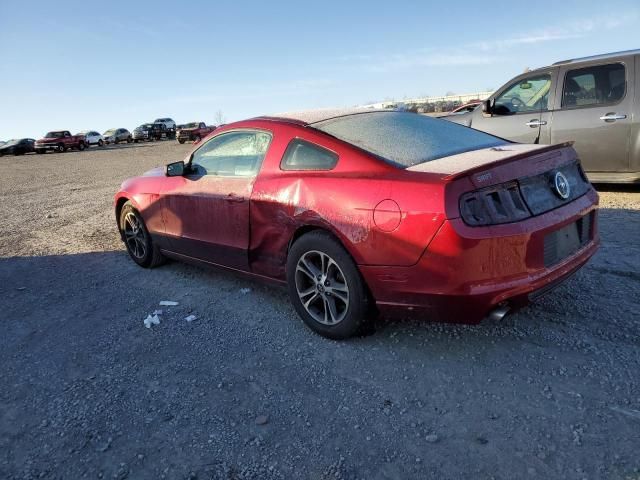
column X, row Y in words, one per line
column 233, row 154
column 599, row 85
column 527, row 95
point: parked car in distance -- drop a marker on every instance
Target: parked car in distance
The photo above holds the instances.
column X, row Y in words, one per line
column 117, row 135
column 194, row 132
column 148, row 131
column 59, row 141
column 92, row 137
column 593, row 101
column 353, row 210
column 168, row 123
column 17, row 146
column 467, row 107
column 170, row 126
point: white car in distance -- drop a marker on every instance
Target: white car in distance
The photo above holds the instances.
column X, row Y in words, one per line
column 91, row 137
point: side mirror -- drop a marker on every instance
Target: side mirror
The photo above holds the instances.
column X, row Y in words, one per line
column 175, row 169
column 486, row 106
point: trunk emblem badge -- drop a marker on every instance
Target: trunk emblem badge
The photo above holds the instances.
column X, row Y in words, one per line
column 561, row 185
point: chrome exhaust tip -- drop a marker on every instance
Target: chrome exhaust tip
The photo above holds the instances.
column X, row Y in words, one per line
column 499, row 312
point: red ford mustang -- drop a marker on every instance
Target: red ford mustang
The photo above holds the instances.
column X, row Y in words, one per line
column 370, row 210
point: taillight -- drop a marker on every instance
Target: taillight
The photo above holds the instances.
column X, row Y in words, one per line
column 494, row 205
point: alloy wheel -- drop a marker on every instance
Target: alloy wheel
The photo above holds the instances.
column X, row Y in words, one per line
column 135, row 236
column 322, row 288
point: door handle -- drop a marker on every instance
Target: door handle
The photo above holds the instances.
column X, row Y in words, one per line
column 535, row 123
column 612, row 117
column 233, row 198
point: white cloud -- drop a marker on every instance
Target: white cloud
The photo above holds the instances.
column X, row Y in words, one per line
column 485, row 52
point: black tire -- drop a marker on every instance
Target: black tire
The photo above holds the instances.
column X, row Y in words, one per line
column 40, row 152
column 181, row 141
column 100, row 143
column 135, row 140
column 61, row 148
column 196, row 139
column 354, row 316
column 151, row 256
column 81, row 146
column 129, row 139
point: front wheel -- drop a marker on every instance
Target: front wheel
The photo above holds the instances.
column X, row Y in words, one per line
column 181, row 141
column 326, row 287
column 137, row 239
column 61, row 148
column 129, row 139
column 100, row 143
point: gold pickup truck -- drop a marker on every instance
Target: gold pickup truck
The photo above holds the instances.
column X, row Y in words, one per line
column 593, row 101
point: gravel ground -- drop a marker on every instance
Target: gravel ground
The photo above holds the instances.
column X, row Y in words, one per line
column 246, row 391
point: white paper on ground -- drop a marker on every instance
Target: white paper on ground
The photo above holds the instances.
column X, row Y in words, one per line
column 151, row 320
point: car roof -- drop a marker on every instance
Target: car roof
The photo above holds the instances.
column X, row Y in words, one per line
column 605, row 56
column 309, row 117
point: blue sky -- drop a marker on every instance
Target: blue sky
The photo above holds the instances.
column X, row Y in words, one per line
column 76, row 66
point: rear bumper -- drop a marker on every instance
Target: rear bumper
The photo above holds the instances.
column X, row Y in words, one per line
column 466, row 272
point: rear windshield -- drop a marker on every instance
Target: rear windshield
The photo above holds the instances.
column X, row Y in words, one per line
column 405, row 139
column 54, row 135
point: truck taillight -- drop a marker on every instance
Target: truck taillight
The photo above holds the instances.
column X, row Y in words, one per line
column 494, row 205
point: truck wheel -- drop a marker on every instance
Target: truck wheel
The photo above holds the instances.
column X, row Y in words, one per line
column 81, row 146
column 61, row 148
column 196, row 139
column 181, row 140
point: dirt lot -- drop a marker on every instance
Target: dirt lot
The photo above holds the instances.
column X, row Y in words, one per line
column 246, row 391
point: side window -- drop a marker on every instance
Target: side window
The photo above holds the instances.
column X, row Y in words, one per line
column 301, row 155
column 233, row 154
column 597, row 85
column 527, row 95
column 202, row 125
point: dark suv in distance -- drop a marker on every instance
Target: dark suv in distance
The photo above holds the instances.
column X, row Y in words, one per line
column 17, row 146
column 149, row 131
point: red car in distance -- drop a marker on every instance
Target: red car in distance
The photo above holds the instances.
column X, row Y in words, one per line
column 365, row 211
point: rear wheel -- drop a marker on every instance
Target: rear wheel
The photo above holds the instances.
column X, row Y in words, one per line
column 81, row 146
column 196, row 139
column 137, row 239
column 129, row 139
column 326, row 287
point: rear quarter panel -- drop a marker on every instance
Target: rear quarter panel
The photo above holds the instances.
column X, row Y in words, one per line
column 342, row 201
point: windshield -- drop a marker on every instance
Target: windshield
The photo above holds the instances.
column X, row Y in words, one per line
column 54, row 135
column 191, row 125
column 146, row 126
column 109, row 132
column 406, row 139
